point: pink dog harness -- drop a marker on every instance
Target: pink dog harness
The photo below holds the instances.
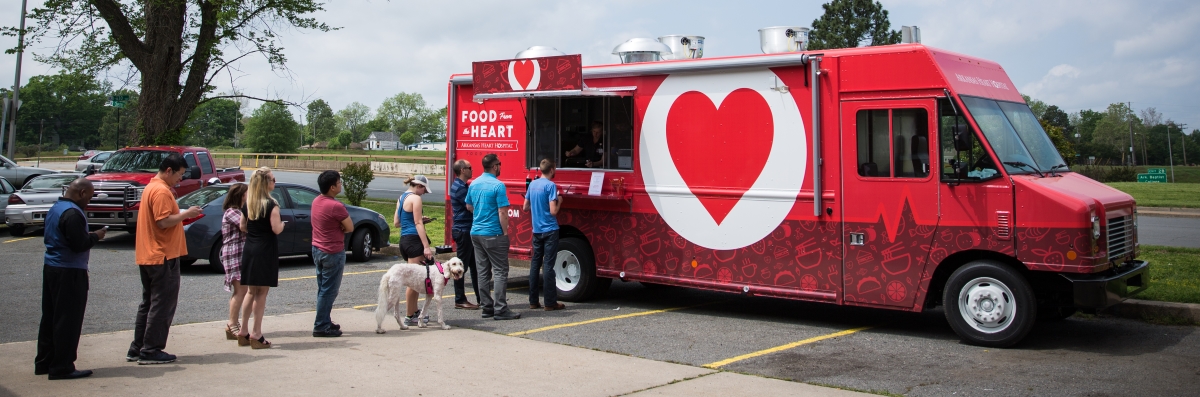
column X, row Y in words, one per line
column 429, row 281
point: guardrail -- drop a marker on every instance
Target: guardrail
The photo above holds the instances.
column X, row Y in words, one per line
column 49, row 159
column 406, row 165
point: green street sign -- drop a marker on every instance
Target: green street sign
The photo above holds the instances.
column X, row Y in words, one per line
column 118, row 104
column 118, row 98
column 1157, row 171
column 1152, row 178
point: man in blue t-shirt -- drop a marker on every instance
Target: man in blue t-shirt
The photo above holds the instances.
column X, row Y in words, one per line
column 542, row 203
column 487, row 199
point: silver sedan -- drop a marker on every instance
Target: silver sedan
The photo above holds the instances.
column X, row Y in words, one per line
column 28, row 206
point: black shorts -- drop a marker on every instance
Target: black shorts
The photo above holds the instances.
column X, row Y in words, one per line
column 411, row 246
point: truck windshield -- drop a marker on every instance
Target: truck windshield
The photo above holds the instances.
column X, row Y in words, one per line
column 1016, row 136
column 135, row 161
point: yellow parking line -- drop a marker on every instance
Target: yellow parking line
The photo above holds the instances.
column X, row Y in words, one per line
column 602, row 319
column 344, row 274
column 715, row 365
column 18, row 239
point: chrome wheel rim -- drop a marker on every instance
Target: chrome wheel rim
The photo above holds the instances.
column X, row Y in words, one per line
column 367, row 246
column 987, row 305
column 567, row 271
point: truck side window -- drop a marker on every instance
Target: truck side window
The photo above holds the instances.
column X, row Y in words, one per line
column 595, row 133
column 191, row 160
column 969, row 165
column 893, row 143
column 205, row 163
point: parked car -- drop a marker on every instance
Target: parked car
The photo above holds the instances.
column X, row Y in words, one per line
column 27, row 207
column 20, row 175
column 96, row 161
column 88, row 154
column 203, row 233
column 6, row 189
column 120, row 182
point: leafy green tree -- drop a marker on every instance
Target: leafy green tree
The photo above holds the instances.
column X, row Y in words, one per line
column 849, row 23
column 69, row 105
column 1059, row 138
column 320, row 120
column 376, row 124
column 432, row 127
column 342, row 140
column 408, row 138
column 213, row 123
column 402, row 111
column 1112, row 131
column 352, row 119
column 1056, row 117
column 272, row 129
column 355, row 179
column 1036, row 106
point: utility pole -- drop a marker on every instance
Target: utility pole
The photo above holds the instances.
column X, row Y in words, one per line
column 1132, row 154
column 1170, row 156
column 40, row 132
column 12, row 126
column 1182, row 130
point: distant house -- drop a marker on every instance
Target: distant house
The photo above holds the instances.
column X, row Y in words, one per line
column 428, row 146
column 382, row 141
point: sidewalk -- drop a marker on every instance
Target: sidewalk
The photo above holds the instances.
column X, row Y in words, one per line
column 427, row 362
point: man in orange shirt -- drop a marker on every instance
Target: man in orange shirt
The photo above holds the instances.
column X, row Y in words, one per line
column 158, row 245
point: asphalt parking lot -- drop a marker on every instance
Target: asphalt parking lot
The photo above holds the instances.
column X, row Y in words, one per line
column 862, row 349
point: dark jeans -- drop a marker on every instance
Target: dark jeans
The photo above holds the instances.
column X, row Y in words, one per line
column 545, row 252
column 329, row 281
column 491, row 254
column 64, row 297
column 466, row 253
column 160, row 294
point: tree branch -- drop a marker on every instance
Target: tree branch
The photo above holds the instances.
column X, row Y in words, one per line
column 123, row 32
column 279, row 101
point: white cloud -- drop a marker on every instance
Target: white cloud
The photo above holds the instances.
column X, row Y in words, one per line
column 1057, row 77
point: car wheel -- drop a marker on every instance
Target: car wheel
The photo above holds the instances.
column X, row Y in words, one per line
column 16, row 230
column 575, row 272
column 214, row 258
column 989, row 304
column 360, row 245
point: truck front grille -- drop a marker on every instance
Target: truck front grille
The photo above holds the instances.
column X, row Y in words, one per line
column 114, row 195
column 1122, row 233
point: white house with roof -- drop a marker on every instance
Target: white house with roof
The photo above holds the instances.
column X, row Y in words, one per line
column 380, row 140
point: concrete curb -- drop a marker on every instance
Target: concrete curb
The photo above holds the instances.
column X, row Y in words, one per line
column 1147, row 310
column 1170, row 212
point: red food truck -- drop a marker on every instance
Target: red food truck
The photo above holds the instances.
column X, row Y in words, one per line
column 899, row 177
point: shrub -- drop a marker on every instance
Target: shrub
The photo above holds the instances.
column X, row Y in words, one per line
column 1122, row 173
column 29, row 150
column 355, row 178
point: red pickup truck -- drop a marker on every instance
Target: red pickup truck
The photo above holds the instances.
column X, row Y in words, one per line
column 119, row 183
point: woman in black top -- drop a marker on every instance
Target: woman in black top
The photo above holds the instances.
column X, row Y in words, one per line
column 592, row 150
column 260, row 255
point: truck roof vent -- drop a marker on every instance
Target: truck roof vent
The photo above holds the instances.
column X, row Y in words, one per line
column 683, row 47
column 910, row 34
column 539, row 51
column 641, row 50
column 777, row 39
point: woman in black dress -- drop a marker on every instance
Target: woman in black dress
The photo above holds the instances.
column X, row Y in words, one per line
column 260, row 257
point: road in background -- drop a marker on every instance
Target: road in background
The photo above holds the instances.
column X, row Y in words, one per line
column 383, row 187
column 1174, row 232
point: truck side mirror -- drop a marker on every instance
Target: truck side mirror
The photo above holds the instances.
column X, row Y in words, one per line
column 192, row 173
column 91, row 169
column 962, row 138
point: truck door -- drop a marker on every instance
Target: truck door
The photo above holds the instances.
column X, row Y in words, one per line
column 186, row 186
column 891, row 198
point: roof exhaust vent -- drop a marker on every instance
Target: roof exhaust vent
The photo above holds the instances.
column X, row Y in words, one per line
column 539, row 51
column 683, row 47
column 778, row 39
column 910, row 34
column 641, row 50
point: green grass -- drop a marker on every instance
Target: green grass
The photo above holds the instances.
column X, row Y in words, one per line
column 436, row 229
column 1182, row 174
column 1174, row 274
column 1179, row 195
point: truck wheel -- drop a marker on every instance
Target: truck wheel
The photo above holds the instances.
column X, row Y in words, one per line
column 16, row 230
column 360, row 245
column 214, row 258
column 575, row 272
column 989, row 304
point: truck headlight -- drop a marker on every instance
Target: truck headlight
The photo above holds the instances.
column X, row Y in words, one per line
column 1095, row 227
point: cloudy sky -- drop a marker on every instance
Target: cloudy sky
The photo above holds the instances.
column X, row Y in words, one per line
column 1074, row 54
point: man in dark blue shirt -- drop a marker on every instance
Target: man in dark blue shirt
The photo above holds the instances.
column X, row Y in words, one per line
column 461, row 232
column 65, row 282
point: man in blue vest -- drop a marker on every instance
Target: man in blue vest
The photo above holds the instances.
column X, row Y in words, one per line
column 65, row 282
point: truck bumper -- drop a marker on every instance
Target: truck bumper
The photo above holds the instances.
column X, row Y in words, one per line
column 117, row 220
column 1101, row 290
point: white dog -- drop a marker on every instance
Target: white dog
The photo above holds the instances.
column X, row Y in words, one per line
column 412, row 275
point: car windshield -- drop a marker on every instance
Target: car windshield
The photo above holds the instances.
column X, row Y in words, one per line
column 203, row 196
column 50, row 182
column 135, row 161
column 1015, row 135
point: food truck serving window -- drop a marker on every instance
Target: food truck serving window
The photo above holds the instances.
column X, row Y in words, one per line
column 581, row 132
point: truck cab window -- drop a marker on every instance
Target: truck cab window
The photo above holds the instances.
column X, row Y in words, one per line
column 893, row 143
column 190, row 159
column 594, row 133
column 964, row 160
column 205, row 163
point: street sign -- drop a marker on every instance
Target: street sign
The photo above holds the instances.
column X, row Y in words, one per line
column 1152, row 178
column 118, row 101
column 1157, row 171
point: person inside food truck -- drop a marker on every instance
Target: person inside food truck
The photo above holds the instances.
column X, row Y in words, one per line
column 591, row 150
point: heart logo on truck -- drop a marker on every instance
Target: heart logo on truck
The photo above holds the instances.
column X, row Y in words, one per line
column 722, row 156
column 722, row 147
column 524, row 74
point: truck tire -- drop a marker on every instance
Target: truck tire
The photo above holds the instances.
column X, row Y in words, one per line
column 16, row 230
column 214, row 257
column 575, row 272
column 989, row 304
column 360, row 245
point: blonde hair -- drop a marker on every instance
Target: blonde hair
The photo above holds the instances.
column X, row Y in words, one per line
column 259, row 196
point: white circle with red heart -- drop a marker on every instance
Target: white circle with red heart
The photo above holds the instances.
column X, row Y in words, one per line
column 534, row 80
column 771, row 196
